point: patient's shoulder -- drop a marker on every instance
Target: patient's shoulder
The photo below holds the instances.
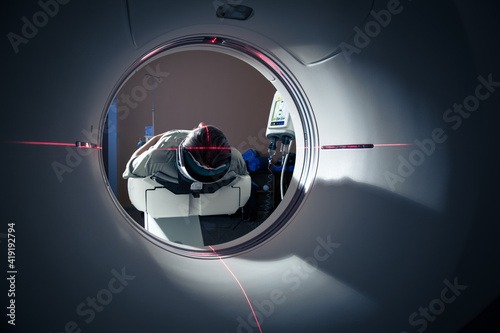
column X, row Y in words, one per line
column 237, row 162
column 172, row 139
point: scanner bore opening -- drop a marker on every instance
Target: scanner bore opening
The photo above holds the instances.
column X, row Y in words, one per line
column 143, row 90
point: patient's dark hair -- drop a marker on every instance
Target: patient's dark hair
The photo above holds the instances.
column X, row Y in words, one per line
column 205, row 140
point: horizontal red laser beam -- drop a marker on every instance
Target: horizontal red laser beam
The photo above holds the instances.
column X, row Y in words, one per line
column 196, row 148
column 43, row 143
column 54, row 144
column 363, row 146
column 393, row 144
column 209, row 148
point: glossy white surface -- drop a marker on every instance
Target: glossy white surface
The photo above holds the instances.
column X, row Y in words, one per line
column 374, row 240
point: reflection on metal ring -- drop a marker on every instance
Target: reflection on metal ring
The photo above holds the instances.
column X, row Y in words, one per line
column 308, row 127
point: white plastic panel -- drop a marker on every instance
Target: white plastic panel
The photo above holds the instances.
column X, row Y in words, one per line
column 163, row 203
column 179, row 230
column 160, row 202
column 333, row 22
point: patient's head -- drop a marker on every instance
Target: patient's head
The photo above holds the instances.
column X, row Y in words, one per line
column 208, row 146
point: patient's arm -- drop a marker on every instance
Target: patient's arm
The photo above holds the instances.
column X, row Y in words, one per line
column 148, row 145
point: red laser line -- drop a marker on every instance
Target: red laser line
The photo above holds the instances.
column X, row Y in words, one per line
column 392, row 144
column 214, row 148
column 361, row 146
column 208, row 135
column 364, row 146
column 43, row 143
column 54, row 144
column 194, row 148
column 244, row 293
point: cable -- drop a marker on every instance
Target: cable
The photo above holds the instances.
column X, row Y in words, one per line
column 269, row 195
column 286, row 150
column 282, row 175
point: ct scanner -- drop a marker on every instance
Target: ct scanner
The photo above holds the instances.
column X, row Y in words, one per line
column 399, row 234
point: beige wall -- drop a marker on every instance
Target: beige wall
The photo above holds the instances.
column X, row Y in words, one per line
column 200, row 86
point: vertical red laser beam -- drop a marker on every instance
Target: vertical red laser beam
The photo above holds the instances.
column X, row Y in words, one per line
column 208, row 136
column 241, row 287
